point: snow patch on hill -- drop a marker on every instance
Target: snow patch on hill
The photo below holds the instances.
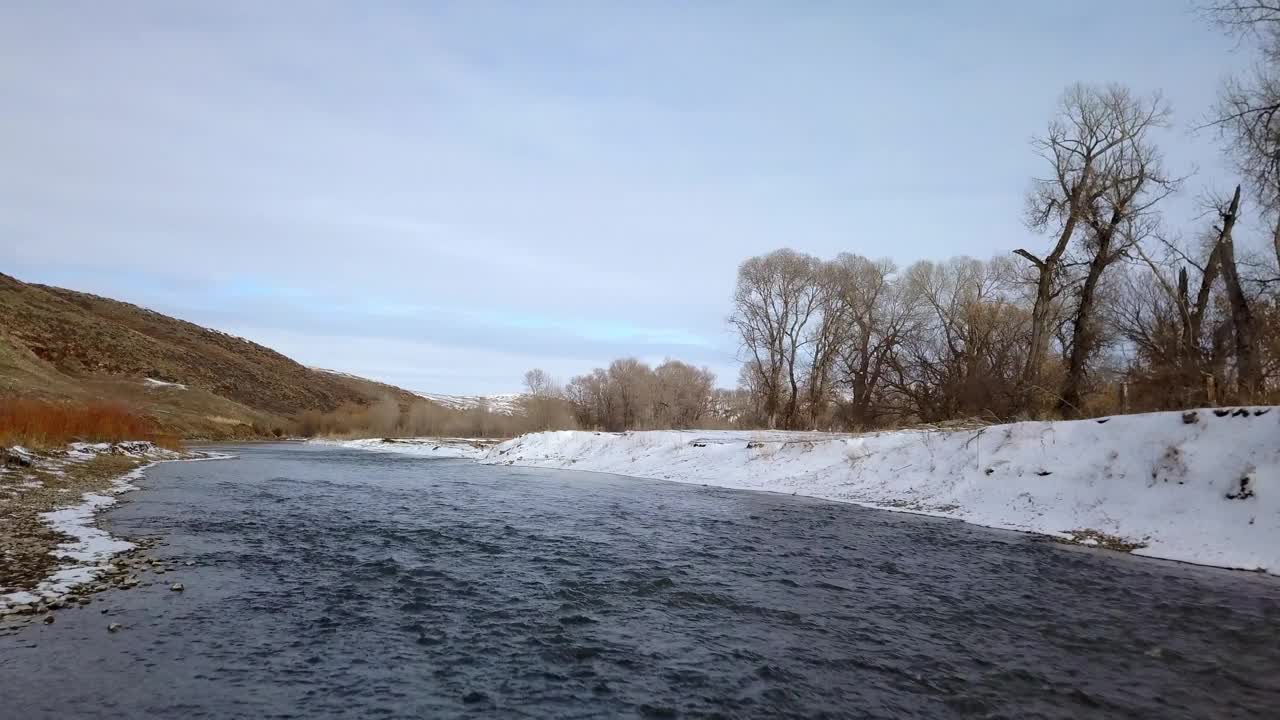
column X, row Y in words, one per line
column 502, row 404
column 1199, row 488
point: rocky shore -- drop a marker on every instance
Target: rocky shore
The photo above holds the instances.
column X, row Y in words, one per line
column 51, row 554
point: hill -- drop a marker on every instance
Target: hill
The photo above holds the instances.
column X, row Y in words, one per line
column 502, row 404
column 60, row 344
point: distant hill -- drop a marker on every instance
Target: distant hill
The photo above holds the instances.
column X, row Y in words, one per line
column 62, row 344
column 499, row 404
column 503, row 404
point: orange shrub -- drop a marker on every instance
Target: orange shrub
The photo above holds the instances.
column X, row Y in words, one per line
column 38, row 423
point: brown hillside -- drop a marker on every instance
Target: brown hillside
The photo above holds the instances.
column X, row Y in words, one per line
column 60, row 343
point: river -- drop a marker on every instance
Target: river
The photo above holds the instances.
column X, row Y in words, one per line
column 342, row 583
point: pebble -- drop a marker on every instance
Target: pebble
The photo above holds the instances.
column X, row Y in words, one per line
column 176, row 587
column 48, row 619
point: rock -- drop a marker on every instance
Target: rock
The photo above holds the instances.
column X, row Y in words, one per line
column 84, row 600
column 103, row 611
column 23, row 609
column 48, row 620
column 1191, row 417
column 115, row 627
column 55, row 605
column 176, row 587
column 13, row 456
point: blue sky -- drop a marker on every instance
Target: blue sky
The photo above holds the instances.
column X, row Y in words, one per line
column 443, row 195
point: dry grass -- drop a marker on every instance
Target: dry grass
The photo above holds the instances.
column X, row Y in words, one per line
column 44, row 424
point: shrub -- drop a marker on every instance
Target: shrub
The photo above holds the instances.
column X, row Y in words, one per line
column 38, row 423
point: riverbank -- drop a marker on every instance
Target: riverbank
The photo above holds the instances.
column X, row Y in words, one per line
column 49, row 546
column 1200, row 487
column 444, row 447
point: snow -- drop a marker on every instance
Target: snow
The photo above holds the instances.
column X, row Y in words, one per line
column 1154, row 480
column 153, row 383
column 90, row 549
column 21, row 597
column 90, row 545
column 339, row 373
column 501, row 404
column 421, row 447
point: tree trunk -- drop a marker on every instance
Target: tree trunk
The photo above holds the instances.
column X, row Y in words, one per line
column 1040, row 312
column 1083, row 336
column 1248, row 367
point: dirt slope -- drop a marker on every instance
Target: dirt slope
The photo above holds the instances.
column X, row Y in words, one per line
column 62, row 344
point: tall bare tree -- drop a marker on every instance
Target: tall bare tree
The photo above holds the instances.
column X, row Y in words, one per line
column 682, row 394
column 543, row 401
column 1092, row 125
column 776, row 298
column 1248, row 358
column 1131, row 181
column 877, row 312
column 1248, row 109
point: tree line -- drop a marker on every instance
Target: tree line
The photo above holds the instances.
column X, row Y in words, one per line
column 1110, row 311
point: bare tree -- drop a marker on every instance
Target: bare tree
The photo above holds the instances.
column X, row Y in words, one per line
column 681, row 394
column 543, row 401
column 876, row 312
column 383, row 417
column 964, row 356
column 1092, row 125
column 1248, row 360
column 1130, row 181
column 1248, row 109
column 776, row 297
column 630, row 395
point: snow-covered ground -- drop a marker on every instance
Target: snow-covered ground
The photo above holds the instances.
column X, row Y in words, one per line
column 1205, row 492
column 469, row 448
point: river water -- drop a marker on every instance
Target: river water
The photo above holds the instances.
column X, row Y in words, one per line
column 343, row 583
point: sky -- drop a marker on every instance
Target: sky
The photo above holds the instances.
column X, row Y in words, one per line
column 443, row 195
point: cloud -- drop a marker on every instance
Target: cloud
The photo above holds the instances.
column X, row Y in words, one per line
column 560, row 186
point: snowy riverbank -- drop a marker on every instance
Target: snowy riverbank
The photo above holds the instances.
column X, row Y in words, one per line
column 445, row 448
column 1202, row 488
column 35, row 487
